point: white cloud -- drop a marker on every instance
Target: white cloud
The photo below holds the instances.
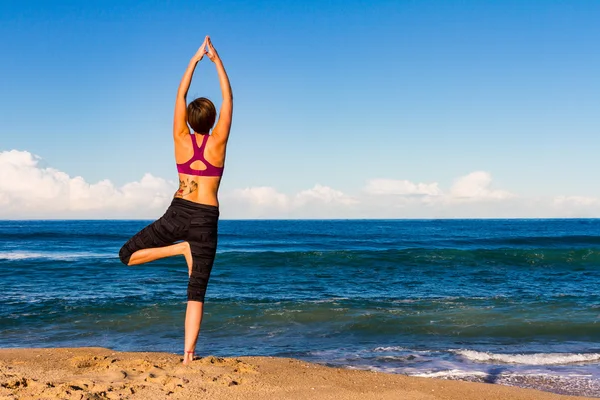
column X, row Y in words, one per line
column 263, row 196
column 401, row 187
column 577, row 206
column 470, row 196
column 576, row 201
column 323, row 194
column 266, row 202
column 476, row 186
column 29, row 190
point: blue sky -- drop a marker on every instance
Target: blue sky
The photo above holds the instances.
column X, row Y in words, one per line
column 335, row 93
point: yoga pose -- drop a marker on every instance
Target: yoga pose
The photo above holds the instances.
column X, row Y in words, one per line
column 189, row 227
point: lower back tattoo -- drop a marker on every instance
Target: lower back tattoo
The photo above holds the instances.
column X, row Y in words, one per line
column 186, row 187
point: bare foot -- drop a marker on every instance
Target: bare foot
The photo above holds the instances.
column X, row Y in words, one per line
column 187, row 253
column 188, row 357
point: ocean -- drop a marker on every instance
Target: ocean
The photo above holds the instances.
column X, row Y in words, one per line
column 513, row 302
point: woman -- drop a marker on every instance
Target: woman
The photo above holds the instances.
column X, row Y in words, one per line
column 189, row 227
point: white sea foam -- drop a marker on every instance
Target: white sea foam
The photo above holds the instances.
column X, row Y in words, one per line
column 390, row 348
column 453, row 373
column 558, row 382
column 400, row 349
column 408, row 357
column 25, row 255
column 529, row 359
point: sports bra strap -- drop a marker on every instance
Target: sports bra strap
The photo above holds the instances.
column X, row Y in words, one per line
column 203, row 145
column 210, row 170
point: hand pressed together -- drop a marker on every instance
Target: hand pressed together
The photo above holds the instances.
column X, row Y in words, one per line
column 208, row 49
column 211, row 52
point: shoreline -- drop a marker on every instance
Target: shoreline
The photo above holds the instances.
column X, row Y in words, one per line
column 99, row 373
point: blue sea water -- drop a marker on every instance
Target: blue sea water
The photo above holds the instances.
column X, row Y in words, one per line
column 508, row 301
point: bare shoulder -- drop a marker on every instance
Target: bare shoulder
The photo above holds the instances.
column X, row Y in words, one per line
column 182, row 137
column 183, row 141
column 217, row 141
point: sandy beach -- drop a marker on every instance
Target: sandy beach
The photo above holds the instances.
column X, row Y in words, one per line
column 98, row 373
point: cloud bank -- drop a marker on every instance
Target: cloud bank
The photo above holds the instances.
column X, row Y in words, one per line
column 30, row 191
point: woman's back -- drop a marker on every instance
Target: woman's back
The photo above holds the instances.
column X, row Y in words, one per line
column 200, row 161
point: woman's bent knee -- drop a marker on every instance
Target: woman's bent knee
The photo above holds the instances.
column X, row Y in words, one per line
column 124, row 255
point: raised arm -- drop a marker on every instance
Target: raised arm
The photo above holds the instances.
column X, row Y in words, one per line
column 223, row 126
column 180, row 126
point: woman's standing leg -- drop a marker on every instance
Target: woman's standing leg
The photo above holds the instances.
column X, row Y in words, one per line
column 202, row 237
column 202, row 266
column 193, row 321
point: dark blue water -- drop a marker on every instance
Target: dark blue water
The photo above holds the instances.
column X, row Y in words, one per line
column 509, row 301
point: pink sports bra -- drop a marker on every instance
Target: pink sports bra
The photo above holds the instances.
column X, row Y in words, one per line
column 210, row 170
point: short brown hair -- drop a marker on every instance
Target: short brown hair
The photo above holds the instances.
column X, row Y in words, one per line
column 201, row 114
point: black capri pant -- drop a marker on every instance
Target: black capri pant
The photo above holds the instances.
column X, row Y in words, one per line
column 184, row 221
